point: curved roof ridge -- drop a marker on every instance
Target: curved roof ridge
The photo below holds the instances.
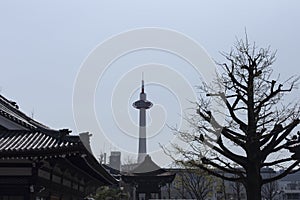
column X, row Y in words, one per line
column 148, row 165
column 10, row 110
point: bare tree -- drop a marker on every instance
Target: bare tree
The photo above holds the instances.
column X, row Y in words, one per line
column 191, row 183
column 223, row 190
column 270, row 190
column 237, row 189
column 257, row 121
column 128, row 164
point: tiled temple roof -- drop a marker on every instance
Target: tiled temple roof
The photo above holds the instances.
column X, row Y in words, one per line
column 33, row 140
column 34, row 143
column 149, row 169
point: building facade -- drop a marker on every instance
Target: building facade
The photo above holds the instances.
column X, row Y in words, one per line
column 37, row 162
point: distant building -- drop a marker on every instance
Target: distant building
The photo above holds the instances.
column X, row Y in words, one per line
column 146, row 180
column 115, row 160
column 289, row 187
column 290, row 184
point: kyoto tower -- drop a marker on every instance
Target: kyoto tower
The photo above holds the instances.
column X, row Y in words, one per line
column 142, row 105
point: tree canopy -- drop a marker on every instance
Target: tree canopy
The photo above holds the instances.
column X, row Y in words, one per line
column 256, row 123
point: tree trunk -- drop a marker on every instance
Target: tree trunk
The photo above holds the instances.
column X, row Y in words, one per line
column 253, row 184
column 253, row 192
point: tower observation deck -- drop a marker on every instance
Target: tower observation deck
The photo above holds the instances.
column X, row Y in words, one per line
column 142, row 104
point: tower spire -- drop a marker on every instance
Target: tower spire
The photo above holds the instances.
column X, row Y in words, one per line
column 143, row 82
column 142, row 104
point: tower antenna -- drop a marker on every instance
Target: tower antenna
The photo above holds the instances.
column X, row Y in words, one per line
column 143, row 82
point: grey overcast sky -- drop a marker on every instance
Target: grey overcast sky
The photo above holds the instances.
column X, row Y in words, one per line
column 43, row 43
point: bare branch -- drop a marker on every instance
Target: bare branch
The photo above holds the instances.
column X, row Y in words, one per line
column 289, row 170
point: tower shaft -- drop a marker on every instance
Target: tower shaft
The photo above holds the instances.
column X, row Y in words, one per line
column 142, row 151
column 142, row 104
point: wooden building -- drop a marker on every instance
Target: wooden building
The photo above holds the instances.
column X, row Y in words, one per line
column 37, row 162
column 147, row 179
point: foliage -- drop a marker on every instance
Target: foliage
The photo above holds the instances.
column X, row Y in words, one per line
column 109, row 193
